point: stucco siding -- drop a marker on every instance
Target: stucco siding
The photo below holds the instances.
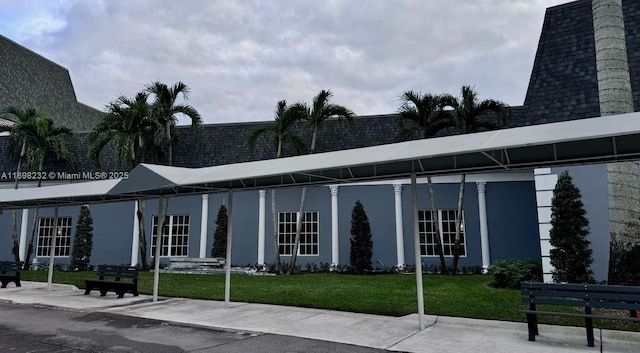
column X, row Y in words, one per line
column 512, row 221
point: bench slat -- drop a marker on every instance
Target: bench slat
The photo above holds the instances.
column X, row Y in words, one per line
column 580, row 303
column 587, row 316
column 587, row 296
column 629, row 296
column 581, row 287
column 110, row 278
column 10, row 272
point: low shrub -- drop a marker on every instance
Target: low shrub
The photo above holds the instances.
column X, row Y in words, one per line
column 509, row 274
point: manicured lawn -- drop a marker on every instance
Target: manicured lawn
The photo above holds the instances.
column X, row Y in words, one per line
column 394, row 294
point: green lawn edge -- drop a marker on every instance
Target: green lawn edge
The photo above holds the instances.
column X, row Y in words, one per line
column 468, row 296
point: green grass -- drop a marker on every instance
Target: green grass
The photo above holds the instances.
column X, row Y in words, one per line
column 393, row 294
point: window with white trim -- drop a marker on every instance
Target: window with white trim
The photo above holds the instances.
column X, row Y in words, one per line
column 447, row 223
column 175, row 237
column 308, row 233
column 45, row 235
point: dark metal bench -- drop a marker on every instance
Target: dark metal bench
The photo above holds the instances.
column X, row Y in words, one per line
column 587, row 296
column 10, row 272
column 110, row 278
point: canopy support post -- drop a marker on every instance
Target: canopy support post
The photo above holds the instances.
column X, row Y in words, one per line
column 227, row 276
column 416, row 246
column 52, row 248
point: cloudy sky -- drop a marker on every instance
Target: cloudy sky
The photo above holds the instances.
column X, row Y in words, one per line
column 240, row 57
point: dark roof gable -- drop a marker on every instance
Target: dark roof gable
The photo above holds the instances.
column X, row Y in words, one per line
column 29, row 80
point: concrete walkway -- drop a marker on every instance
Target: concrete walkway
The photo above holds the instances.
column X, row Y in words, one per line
column 443, row 334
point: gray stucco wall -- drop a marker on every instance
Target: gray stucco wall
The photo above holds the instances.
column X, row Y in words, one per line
column 5, row 234
column 112, row 232
column 512, row 221
column 510, row 207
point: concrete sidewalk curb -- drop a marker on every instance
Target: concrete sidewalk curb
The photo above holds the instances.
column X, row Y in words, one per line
column 442, row 334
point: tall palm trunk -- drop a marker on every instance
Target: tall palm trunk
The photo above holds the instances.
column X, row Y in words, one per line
column 614, row 89
column 34, row 227
column 436, row 225
column 15, row 249
column 275, row 231
column 170, row 145
column 456, row 245
column 23, row 151
column 142, row 237
column 296, row 244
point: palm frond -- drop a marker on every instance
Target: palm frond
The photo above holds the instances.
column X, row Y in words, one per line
column 297, row 142
column 260, row 131
column 472, row 115
column 425, row 111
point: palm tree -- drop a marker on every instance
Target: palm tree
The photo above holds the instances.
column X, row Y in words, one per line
column 427, row 117
column 164, row 110
column 469, row 114
column 38, row 137
column 23, row 132
column 321, row 110
column 128, row 125
column 280, row 131
column 424, row 111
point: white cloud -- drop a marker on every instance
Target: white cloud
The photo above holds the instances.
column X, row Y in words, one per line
column 241, row 57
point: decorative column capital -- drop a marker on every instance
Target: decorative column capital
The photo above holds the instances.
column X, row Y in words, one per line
column 262, row 193
column 397, row 188
column 482, row 186
column 205, row 196
column 334, row 190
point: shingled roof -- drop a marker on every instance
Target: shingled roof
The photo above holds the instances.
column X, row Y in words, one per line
column 29, row 80
column 563, row 86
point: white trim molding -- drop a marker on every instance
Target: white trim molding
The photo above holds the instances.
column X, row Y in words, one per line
column 135, row 237
column 204, row 223
column 484, row 229
column 335, row 236
column 261, row 225
column 24, row 223
column 397, row 190
column 545, row 182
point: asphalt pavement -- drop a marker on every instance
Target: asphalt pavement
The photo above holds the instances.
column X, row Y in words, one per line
column 442, row 334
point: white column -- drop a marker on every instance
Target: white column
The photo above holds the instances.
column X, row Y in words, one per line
column 484, row 230
column 135, row 238
column 24, row 223
column 261, row 225
column 397, row 190
column 335, row 246
column 204, row 223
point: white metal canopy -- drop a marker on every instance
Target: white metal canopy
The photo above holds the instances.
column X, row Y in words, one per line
column 579, row 141
column 62, row 194
column 572, row 142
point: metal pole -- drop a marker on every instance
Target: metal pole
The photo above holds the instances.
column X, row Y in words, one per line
column 52, row 248
column 156, row 270
column 416, row 246
column 227, row 278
